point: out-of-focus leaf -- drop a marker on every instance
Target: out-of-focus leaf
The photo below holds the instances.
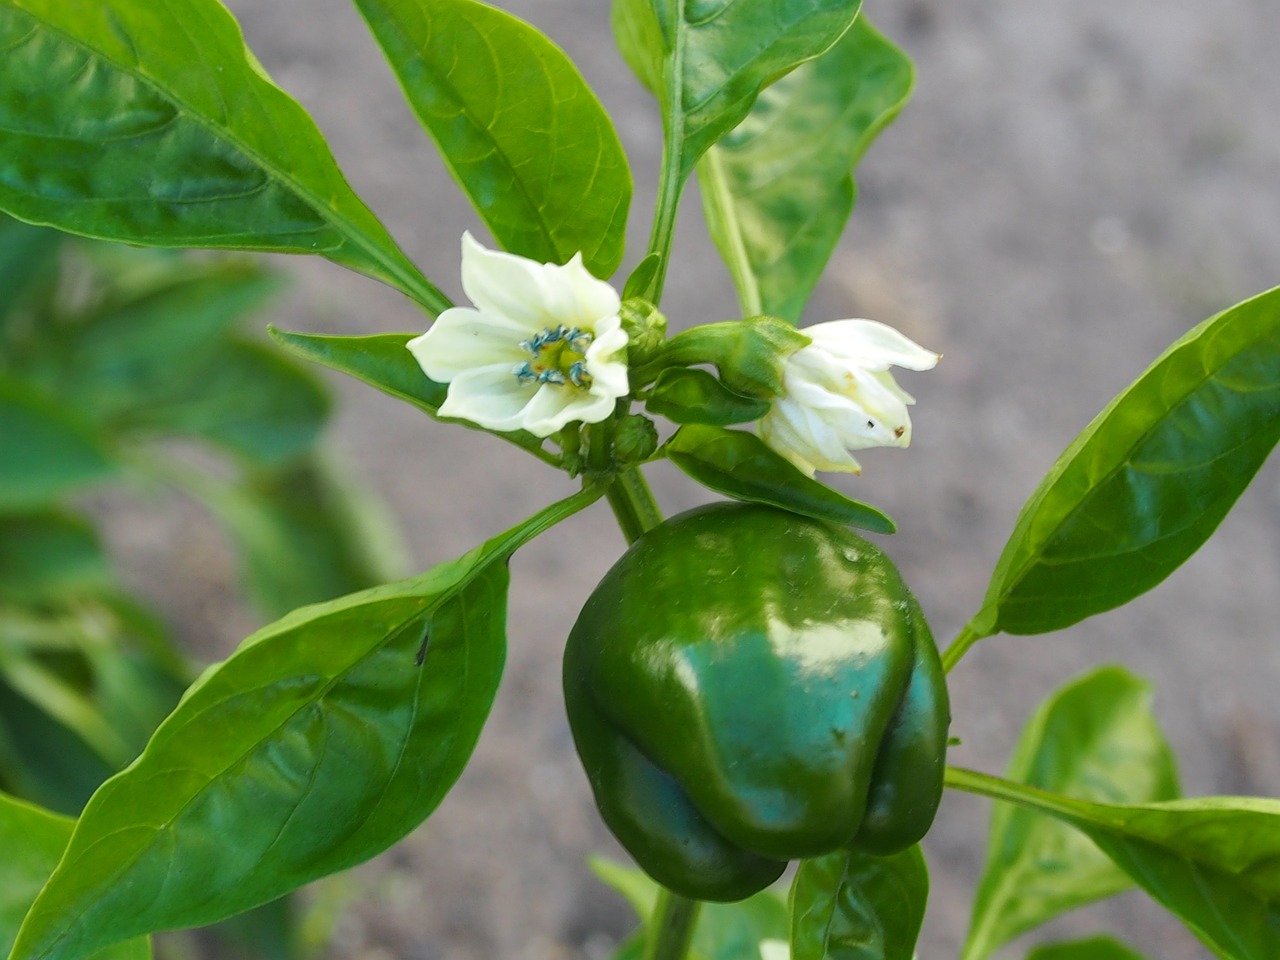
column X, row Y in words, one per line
column 1094, row 739
column 121, row 356
column 154, row 124
column 1092, row 948
column 1147, row 482
column 45, row 450
column 779, row 188
column 47, row 554
column 740, row 465
column 520, row 129
column 303, row 535
column 327, row 737
column 724, row 931
column 26, row 260
column 249, row 400
column 853, row 906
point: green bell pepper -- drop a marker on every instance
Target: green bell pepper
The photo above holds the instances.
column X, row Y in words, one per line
column 746, row 687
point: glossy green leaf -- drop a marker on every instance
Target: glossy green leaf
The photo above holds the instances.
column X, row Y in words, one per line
column 519, row 128
column 46, row 450
column 249, row 399
column 739, row 465
column 1148, row 481
column 324, row 739
column 1094, row 739
column 303, row 534
column 724, row 931
column 153, row 123
column 33, row 840
column 1091, row 948
column 853, row 906
column 45, row 555
column 382, row 361
column 691, row 395
column 779, row 188
column 708, row 60
column 1213, row 862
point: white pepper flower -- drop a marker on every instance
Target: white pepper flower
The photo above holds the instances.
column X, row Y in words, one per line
column 542, row 347
column 838, row 395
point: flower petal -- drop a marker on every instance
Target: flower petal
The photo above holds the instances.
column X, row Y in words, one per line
column 555, row 406
column 505, row 285
column 871, row 345
column 575, row 298
column 462, row 339
column 608, row 373
column 490, row 396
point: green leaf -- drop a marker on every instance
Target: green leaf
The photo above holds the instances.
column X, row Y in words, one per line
column 1092, row 948
column 26, row 259
column 32, row 840
column 724, row 931
column 249, row 399
column 1148, row 481
column 139, row 346
column 1212, row 862
column 1094, row 739
column 708, row 60
column 382, row 361
column 739, row 465
column 690, row 395
column 778, row 189
column 853, row 906
column 324, row 739
column 153, row 124
column 42, row 760
column 303, row 534
column 83, row 685
column 45, row 555
column 521, row 131
column 47, row 450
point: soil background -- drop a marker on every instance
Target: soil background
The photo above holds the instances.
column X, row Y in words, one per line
column 1072, row 187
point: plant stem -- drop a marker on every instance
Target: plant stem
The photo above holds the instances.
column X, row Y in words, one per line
column 959, row 647
column 633, row 504
column 664, row 217
column 671, row 927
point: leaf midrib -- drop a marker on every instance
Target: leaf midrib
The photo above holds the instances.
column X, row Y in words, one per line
column 68, row 924
column 348, row 231
column 1103, row 419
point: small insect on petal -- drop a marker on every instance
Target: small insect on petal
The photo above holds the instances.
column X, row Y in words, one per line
column 839, row 395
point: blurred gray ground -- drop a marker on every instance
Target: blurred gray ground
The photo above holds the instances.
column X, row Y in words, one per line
column 1072, row 187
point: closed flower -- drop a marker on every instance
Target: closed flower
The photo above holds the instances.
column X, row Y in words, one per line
column 839, row 396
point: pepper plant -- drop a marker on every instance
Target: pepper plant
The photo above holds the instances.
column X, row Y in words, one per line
column 752, row 684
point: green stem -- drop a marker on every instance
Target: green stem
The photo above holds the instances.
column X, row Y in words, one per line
column 670, row 184
column 959, row 647
column 633, row 504
column 996, row 788
column 671, row 927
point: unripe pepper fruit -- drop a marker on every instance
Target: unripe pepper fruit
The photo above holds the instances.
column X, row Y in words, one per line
column 746, row 687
